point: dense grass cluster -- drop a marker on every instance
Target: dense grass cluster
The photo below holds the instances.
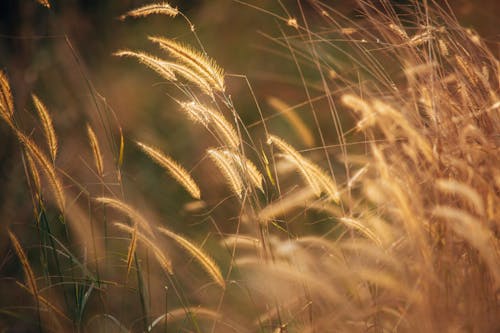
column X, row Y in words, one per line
column 383, row 216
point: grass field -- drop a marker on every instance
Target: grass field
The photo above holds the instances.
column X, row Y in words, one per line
column 306, row 167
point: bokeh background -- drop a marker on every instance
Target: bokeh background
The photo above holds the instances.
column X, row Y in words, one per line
column 64, row 55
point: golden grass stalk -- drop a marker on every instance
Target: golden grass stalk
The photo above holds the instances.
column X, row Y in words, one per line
column 198, row 62
column 47, row 168
column 161, row 8
column 178, row 172
column 48, row 127
column 297, row 123
column 163, row 260
column 6, row 100
column 127, row 210
column 205, row 115
column 28, row 272
column 206, row 262
column 158, row 65
column 247, row 168
column 228, row 170
column 96, row 151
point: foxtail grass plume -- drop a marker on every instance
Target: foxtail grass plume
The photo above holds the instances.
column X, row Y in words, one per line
column 206, row 262
column 158, row 65
column 161, row 8
column 228, row 169
column 6, row 100
column 28, row 272
column 47, row 167
column 207, row 116
column 96, row 151
column 173, row 168
column 48, row 127
column 198, row 62
column 319, row 181
column 163, row 259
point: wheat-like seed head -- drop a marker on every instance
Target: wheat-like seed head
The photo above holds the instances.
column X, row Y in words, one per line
column 96, row 151
column 6, row 100
column 161, row 8
column 297, row 159
column 206, row 116
column 158, row 65
column 198, row 62
column 47, row 168
column 48, row 127
column 178, row 172
column 28, row 272
column 226, row 165
column 207, row 263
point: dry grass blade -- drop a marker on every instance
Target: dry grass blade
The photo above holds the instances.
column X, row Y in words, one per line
column 207, row 263
column 294, row 120
column 160, row 66
column 178, row 172
column 164, row 261
column 96, row 151
column 48, row 128
column 6, row 100
column 47, row 168
column 161, row 8
column 230, row 172
column 198, row 62
column 127, row 210
column 28, row 272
